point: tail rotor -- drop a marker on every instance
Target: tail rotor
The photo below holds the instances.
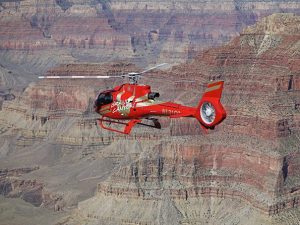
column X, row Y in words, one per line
column 210, row 111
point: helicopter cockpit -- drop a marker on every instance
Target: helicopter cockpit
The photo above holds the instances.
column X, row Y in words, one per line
column 104, row 98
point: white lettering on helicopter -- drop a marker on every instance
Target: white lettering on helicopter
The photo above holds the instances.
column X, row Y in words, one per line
column 121, row 106
column 170, row 112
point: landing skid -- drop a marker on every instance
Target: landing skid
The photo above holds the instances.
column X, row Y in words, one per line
column 128, row 126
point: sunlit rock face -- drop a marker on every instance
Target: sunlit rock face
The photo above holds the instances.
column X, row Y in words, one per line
column 248, row 163
column 253, row 155
column 144, row 31
column 54, row 155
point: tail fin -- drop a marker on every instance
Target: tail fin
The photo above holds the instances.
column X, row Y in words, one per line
column 210, row 111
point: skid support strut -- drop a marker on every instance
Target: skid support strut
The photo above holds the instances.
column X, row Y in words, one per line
column 127, row 128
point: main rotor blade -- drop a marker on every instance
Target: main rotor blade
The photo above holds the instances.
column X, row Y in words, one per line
column 152, row 68
column 103, row 77
column 77, row 77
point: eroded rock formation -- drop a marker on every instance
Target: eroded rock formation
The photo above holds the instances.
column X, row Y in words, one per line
column 145, row 31
column 248, row 164
column 252, row 156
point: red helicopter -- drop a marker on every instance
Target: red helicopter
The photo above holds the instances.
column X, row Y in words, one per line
column 129, row 103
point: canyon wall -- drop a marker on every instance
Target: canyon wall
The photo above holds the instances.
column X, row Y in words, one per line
column 142, row 31
column 248, row 163
column 253, row 155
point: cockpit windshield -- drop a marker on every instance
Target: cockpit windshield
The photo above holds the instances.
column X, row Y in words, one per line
column 104, row 98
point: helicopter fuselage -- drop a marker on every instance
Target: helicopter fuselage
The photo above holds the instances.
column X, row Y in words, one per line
column 132, row 101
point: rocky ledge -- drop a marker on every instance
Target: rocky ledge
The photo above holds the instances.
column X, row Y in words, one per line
column 252, row 156
column 251, row 160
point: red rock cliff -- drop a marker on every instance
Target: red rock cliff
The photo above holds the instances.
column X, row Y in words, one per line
column 143, row 30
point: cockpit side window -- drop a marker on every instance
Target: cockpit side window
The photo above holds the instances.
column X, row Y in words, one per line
column 104, row 98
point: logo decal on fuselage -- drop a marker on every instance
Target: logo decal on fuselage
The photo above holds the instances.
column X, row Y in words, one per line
column 123, row 107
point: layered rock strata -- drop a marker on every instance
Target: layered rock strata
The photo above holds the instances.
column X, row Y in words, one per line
column 52, row 125
column 144, row 31
column 251, row 157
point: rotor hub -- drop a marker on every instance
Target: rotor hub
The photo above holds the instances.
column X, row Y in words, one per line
column 133, row 78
